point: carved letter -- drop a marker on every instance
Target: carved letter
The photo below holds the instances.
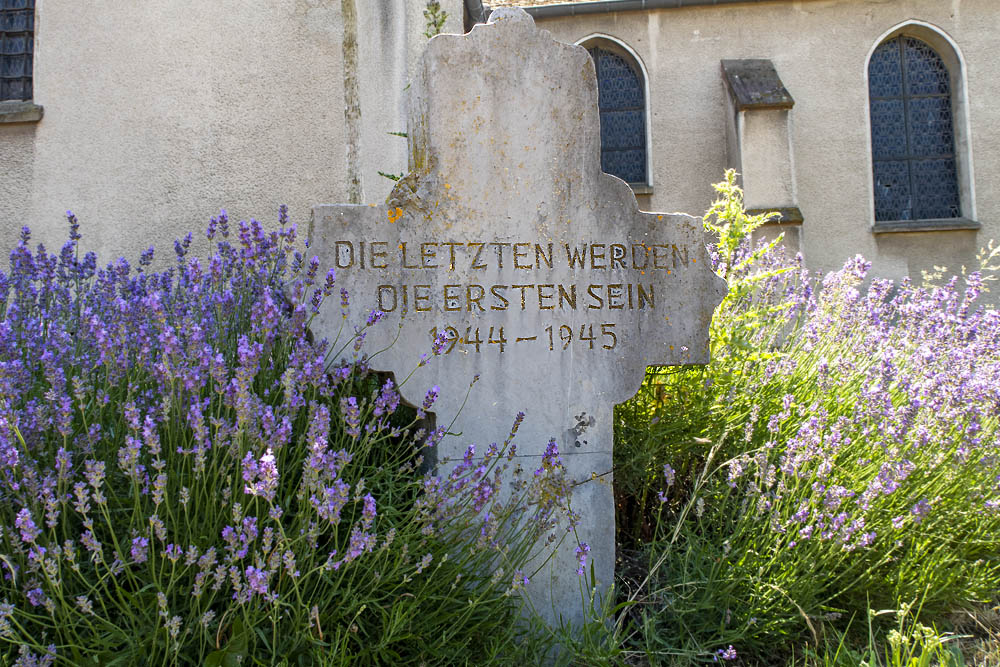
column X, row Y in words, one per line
column 502, row 299
column 378, row 254
column 682, row 253
column 543, row 297
column 519, row 254
column 577, row 256
column 402, row 251
column 615, row 293
column 428, row 252
column 421, row 302
column 617, row 255
column 660, row 258
column 540, row 256
column 471, row 300
column 522, row 288
column 596, row 296
column 570, row 298
column 644, row 297
column 451, row 246
column 344, row 253
column 479, row 251
column 594, row 256
column 379, row 291
column 451, row 301
column 645, row 257
column 499, row 246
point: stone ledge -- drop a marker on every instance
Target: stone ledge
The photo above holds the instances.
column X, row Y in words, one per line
column 787, row 215
column 930, row 225
column 755, row 84
column 641, row 188
column 20, row 112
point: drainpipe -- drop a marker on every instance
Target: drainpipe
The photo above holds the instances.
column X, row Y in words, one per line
column 476, row 13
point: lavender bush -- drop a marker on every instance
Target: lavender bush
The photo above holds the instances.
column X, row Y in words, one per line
column 188, row 477
column 839, row 454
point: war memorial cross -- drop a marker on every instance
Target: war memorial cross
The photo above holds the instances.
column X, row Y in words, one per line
column 550, row 283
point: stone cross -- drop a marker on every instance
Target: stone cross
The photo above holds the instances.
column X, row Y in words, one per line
column 550, row 283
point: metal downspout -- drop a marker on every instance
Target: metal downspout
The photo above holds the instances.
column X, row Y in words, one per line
column 477, row 14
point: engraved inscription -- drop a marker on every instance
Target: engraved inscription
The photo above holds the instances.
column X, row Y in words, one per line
column 607, row 276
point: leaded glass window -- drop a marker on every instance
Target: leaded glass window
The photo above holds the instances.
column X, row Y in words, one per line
column 622, row 104
column 913, row 138
column 17, row 26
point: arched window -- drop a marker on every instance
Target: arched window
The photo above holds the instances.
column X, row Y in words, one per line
column 622, row 104
column 915, row 171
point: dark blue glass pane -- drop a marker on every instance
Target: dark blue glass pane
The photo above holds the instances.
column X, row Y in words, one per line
column 13, row 44
column 16, row 21
column 885, row 75
column 12, row 66
column 913, row 141
column 930, row 127
column 925, row 71
column 621, row 99
column 888, row 129
column 622, row 130
column 892, row 191
column 15, row 89
column 935, row 187
column 630, row 166
column 618, row 84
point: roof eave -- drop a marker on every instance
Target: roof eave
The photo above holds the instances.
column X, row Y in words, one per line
column 608, row 6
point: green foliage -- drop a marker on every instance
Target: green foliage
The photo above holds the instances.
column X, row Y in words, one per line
column 908, row 643
column 190, row 478
column 435, row 18
column 840, row 450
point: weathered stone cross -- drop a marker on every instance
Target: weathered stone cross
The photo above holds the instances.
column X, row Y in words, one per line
column 552, row 285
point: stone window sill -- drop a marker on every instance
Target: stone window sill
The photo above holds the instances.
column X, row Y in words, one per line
column 20, row 112
column 641, row 188
column 932, row 225
column 787, row 215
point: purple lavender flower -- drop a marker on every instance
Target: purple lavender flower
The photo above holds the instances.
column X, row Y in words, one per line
column 351, row 413
column 36, row 597
column 387, row 400
column 725, row 654
column 25, row 524
column 920, row 510
column 368, row 514
column 172, row 552
column 440, row 342
column 581, row 557
column 424, row 562
column 258, row 581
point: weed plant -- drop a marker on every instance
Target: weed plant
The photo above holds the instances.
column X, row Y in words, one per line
column 838, row 454
column 187, row 476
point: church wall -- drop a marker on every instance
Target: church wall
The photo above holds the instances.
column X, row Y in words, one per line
column 819, row 48
column 159, row 113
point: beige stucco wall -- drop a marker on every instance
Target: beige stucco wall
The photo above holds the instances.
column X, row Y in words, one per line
column 159, row 113
column 819, row 48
